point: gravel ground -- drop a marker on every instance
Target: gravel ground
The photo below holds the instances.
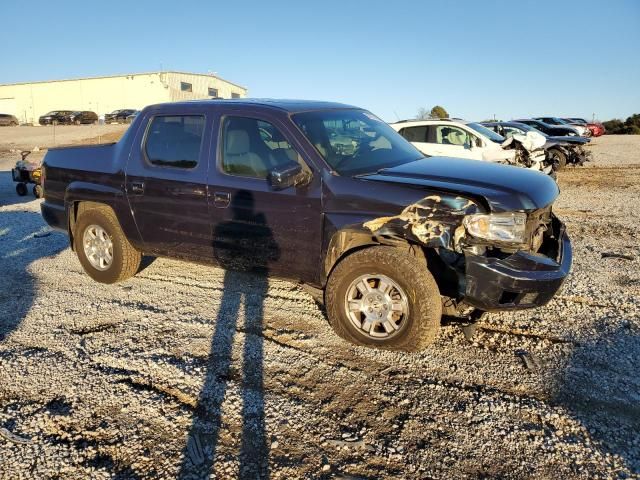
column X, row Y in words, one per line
column 185, row 371
column 50, row 136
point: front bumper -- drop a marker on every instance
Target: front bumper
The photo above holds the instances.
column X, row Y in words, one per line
column 522, row 279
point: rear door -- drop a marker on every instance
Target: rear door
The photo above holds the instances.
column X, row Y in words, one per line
column 255, row 227
column 166, row 183
column 418, row 137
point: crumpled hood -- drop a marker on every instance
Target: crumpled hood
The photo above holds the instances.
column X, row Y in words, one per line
column 505, row 188
column 531, row 141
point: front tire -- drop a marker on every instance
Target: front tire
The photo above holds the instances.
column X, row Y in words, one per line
column 385, row 298
column 102, row 247
column 38, row 191
column 559, row 159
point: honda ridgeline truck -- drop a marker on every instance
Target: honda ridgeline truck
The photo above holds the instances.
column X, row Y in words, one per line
column 323, row 194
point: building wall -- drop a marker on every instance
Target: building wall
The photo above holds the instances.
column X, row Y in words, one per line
column 28, row 101
column 200, row 85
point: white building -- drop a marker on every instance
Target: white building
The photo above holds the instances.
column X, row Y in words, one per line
column 28, row 101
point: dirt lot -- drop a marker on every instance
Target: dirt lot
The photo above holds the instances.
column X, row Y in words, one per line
column 187, row 371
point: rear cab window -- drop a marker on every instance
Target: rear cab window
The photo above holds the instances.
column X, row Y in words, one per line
column 174, row 140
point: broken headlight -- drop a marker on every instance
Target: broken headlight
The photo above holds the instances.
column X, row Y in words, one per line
column 499, row 227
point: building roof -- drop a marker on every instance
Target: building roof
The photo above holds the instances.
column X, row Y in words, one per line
column 124, row 75
column 288, row 105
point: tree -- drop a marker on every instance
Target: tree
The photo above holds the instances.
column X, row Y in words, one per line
column 629, row 127
column 438, row 112
column 423, row 114
column 435, row 112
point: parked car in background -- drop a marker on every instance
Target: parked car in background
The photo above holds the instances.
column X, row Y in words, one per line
column 462, row 139
column 118, row 116
column 83, row 117
column 553, row 130
column 581, row 129
column 7, row 120
column 132, row 117
column 389, row 239
column 55, row 117
column 560, row 150
column 597, row 129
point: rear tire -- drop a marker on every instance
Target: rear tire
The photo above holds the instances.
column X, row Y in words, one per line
column 412, row 283
column 21, row 189
column 125, row 260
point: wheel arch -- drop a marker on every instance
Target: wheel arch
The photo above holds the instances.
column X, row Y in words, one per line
column 82, row 196
column 347, row 241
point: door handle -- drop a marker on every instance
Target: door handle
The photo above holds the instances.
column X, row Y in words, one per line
column 136, row 188
column 221, row 199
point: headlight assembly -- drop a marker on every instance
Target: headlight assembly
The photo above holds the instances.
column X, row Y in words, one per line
column 498, row 227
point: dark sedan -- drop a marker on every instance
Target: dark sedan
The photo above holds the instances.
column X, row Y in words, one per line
column 552, row 130
column 83, row 117
column 55, row 117
column 7, row 120
column 118, row 116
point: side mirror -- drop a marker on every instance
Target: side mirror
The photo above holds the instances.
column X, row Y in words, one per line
column 288, row 175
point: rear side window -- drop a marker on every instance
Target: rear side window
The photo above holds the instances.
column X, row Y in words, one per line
column 415, row 134
column 175, row 141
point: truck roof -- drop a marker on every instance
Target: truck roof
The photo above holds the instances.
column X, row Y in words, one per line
column 292, row 106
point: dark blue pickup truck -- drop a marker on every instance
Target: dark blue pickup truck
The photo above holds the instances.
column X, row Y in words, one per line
column 320, row 193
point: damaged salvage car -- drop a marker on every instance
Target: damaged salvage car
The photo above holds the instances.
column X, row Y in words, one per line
column 323, row 194
column 458, row 138
column 560, row 150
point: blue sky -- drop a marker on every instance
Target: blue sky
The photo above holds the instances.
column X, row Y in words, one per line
column 510, row 58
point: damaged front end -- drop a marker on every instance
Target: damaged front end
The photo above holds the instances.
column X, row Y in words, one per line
column 529, row 151
column 484, row 261
column 577, row 155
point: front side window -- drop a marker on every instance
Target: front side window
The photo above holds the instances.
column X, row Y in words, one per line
column 175, row 141
column 186, row 87
column 355, row 142
column 253, row 148
column 448, row 135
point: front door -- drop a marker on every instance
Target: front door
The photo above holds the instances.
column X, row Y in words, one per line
column 256, row 228
column 166, row 183
column 451, row 141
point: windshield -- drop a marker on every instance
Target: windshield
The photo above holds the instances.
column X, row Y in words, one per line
column 493, row 136
column 354, row 142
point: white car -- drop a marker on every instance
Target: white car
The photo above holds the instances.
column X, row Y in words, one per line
column 461, row 139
